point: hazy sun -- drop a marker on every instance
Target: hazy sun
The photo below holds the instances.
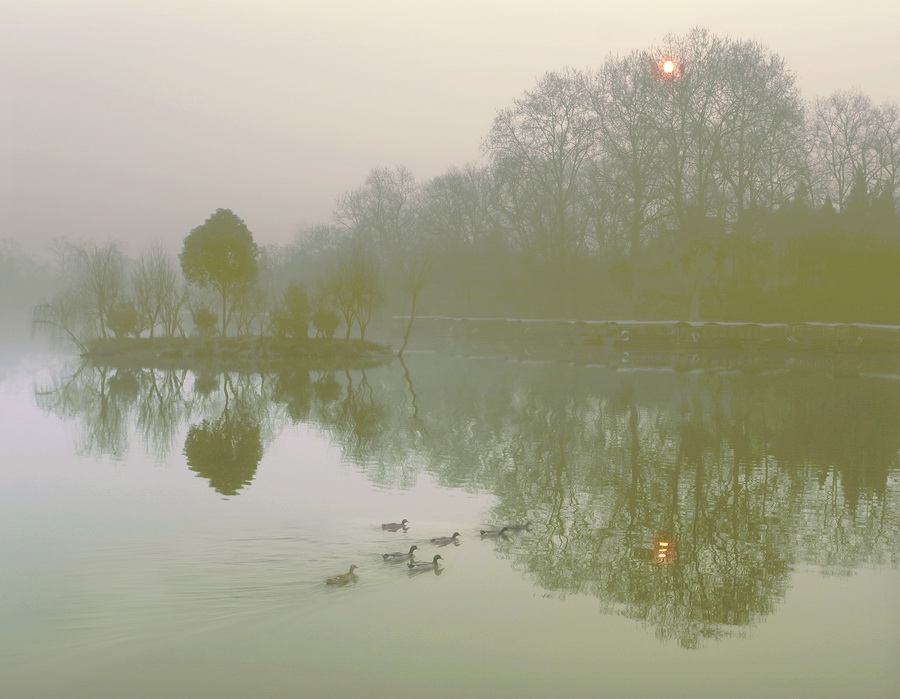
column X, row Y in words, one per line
column 668, row 67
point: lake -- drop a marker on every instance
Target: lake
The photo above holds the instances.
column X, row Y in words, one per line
column 702, row 526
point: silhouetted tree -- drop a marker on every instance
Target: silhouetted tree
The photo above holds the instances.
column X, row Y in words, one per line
column 221, row 253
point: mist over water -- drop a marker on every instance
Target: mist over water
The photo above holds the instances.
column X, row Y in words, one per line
column 170, row 518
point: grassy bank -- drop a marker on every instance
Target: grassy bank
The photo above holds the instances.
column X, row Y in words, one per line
column 237, row 353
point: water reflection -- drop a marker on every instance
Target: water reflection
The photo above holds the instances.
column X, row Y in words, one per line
column 683, row 500
column 227, row 451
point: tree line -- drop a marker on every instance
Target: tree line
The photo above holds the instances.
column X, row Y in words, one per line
column 686, row 180
column 709, row 191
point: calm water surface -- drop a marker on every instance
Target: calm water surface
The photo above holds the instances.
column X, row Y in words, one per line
column 723, row 529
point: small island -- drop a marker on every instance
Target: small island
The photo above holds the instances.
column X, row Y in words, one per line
column 150, row 319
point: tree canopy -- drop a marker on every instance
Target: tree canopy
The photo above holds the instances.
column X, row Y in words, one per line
column 221, row 253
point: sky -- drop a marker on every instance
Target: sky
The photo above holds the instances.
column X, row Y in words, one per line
column 134, row 120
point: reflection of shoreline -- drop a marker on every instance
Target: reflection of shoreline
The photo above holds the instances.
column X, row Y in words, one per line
column 246, row 354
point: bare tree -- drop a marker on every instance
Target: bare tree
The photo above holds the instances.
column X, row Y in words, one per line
column 762, row 118
column 156, row 284
column 845, row 140
column 99, row 279
column 540, row 148
column 630, row 141
column 354, row 284
column 248, row 309
column 456, row 210
column 415, row 274
column 171, row 312
column 689, row 119
column 381, row 211
column 887, row 138
column 64, row 318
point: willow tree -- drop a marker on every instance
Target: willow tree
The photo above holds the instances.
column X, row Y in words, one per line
column 221, row 253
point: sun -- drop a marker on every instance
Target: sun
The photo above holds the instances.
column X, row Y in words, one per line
column 669, row 69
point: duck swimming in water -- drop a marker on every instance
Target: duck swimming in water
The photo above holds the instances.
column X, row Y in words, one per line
column 399, row 555
column 395, row 526
column 422, row 565
column 493, row 532
column 444, row 540
column 344, row 578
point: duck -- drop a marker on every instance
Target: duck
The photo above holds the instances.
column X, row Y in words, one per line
column 444, row 540
column 344, row 578
column 423, row 565
column 395, row 526
column 493, row 532
column 399, row 555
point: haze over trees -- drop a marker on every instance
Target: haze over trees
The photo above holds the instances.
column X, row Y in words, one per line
column 710, row 191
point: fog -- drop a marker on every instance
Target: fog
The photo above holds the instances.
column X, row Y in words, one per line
column 132, row 121
column 611, row 292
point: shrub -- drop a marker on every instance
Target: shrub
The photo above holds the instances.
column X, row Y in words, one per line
column 291, row 317
column 325, row 322
column 204, row 321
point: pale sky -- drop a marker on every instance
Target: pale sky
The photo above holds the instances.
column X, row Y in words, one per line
column 134, row 121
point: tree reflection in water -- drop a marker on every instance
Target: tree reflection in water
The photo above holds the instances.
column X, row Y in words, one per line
column 736, row 477
column 226, row 451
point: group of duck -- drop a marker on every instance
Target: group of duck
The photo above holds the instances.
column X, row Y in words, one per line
column 409, row 556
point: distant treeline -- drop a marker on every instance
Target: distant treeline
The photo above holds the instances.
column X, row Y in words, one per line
column 712, row 191
column 689, row 180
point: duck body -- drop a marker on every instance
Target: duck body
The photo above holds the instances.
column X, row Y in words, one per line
column 399, row 555
column 493, row 532
column 395, row 526
column 444, row 540
column 344, row 578
column 423, row 565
